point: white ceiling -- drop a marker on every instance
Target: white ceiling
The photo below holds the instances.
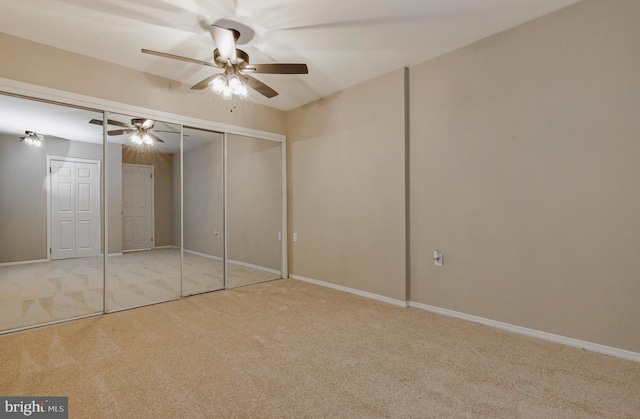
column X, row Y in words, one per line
column 344, row 42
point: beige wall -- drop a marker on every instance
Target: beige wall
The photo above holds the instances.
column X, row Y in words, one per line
column 23, row 201
column 40, row 64
column 346, row 187
column 524, row 172
column 162, row 190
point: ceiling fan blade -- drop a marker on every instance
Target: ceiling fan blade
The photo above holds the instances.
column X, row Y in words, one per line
column 110, row 122
column 155, row 137
column 277, row 68
column 225, row 41
column 170, row 132
column 259, row 86
column 148, row 123
column 121, row 131
column 204, row 83
column 177, row 57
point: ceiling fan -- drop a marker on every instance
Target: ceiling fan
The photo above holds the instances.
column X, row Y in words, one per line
column 32, row 138
column 142, row 130
column 236, row 66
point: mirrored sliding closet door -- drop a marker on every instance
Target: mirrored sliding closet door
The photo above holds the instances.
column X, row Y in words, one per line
column 144, row 211
column 254, row 210
column 51, row 255
column 172, row 210
column 203, row 218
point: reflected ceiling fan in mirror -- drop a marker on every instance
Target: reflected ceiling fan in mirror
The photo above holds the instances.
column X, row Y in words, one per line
column 141, row 130
column 32, row 139
column 235, row 79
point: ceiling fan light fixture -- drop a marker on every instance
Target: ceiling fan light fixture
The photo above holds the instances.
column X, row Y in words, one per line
column 34, row 142
column 227, row 92
column 32, row 139
column 218, row 84
column 136, row 139
column 229, row 86
column 243, row 92
column 234, row 82
column 146, row 139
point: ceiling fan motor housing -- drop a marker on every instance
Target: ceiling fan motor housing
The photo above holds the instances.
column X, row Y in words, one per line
column 242, row 59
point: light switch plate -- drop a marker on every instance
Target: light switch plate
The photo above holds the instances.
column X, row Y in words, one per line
column 438, row 258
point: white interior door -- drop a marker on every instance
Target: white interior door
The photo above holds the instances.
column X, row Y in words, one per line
column 87, row 210
column 75, row 209
column 137, row 207
column 63, row 232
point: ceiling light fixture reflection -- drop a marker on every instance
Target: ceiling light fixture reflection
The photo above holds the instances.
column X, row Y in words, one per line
column 141, row 138
column 32, row 139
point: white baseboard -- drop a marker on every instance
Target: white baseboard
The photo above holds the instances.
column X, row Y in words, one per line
column 136, row 250
column 162, row 247
column 24, row 262
column 365, row 294
column 204, row 255
column 594, row 347
column 115, row 254
column 260, row 268
column 235, row 262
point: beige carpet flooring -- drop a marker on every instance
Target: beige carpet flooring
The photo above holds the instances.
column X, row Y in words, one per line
column 290, row 349
column 40, row 293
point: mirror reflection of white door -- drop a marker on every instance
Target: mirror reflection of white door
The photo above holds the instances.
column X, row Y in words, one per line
column 75, row 209
column 137, row 207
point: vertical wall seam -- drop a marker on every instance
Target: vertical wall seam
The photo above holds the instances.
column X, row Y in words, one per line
column 407, row 179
